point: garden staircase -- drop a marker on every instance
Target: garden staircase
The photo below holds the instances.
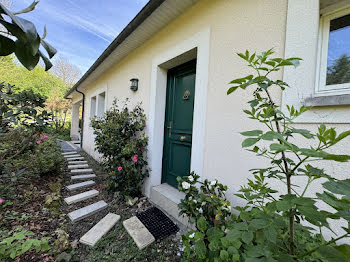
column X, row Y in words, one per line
column 80, row 171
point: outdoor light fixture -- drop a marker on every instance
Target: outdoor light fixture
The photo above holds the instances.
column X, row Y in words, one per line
column 134, row 84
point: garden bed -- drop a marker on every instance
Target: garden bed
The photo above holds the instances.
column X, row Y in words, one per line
column 117, row 245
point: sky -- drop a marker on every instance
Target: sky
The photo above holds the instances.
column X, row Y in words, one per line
column 80, row 29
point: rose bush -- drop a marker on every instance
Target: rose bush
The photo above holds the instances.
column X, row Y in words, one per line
column 120, row 138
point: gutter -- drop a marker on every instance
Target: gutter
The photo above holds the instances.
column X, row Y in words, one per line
column 146, row 11
column 82, row 117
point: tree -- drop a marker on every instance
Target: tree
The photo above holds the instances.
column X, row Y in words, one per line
column 339, row 71
column 37, row 80
column 21, row 38
column 69, row 73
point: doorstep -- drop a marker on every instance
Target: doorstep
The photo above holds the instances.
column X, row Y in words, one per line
column 167, row 198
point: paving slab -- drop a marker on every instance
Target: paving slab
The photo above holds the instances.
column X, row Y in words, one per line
column 77, row 166
column 80, row 185
column 77, row 162
column 72, row 155
column 81, row 197
column 138, row 232
column 75, row 158
column 81, row 177
column 87, row 211
column 69, row 153
column 81, row 170
column 99, row 230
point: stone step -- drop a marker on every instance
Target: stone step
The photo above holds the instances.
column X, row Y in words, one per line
column 80, row 185
column 69, row 153
column 75, row 142
column 87, row 211
column 81, row 197
column 81, row 177
column 138, row 232
column 75, row 158
column 82, row 170
column 77, row 162
column 72, row 155
column 99, row 230
column 77, row 166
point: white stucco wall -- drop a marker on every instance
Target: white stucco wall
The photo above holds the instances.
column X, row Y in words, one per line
column 235, row 25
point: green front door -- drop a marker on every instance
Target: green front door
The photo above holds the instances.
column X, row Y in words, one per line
column 178, row 122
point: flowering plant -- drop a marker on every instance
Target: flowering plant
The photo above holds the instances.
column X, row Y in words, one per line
column 121, row 140
column 208, row 200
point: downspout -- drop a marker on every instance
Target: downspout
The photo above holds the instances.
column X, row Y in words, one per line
column 82, row 118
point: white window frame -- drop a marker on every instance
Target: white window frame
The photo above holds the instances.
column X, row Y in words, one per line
column 93, row 106
column 321, row 87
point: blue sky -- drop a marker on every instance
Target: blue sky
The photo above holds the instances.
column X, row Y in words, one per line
column 339, row 43
column 81, row 29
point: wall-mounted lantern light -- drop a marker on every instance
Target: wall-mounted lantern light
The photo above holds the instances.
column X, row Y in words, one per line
column 134, row 84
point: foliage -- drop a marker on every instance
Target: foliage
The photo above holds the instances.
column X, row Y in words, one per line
column 59, row 109
column 120, row 138
column 22, row 38
column 23, row 108
column 339, row 71
column 37, row 80
column 208, row 201
column 272, row 225
column 19, row 242
column 47, row 158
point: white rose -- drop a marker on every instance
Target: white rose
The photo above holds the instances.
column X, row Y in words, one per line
column 190, row 198
column 200, row 210
column 213, row 183
column 191, row 236
column 195, row 201
column 204, row 203
column 185, row 185
column 191, row 178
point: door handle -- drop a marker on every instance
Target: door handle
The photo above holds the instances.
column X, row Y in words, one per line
column 182, row 138
column 169, row 128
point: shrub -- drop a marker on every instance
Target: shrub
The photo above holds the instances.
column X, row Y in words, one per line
column 19, row 242
column 271, row 227
column 208, row 201
column 120, row 138
column 46, row 157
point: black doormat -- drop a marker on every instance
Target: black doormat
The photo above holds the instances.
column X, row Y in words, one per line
column 157, row 223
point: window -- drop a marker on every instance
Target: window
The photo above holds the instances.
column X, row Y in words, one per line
column 101, row 104
column 334, row 74
column 93, row 107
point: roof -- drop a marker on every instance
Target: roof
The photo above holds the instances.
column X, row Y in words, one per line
column 153, row 17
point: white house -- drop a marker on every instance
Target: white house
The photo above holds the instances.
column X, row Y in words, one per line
column 195, row 42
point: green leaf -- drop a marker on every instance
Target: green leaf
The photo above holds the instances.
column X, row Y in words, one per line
column 214, row 233
column 342, row 136
column 330, row 254
column 278, row 147
column 27, row 245
column 7, row 46
column 200, row 249
column 51, row 51
column 28, row 9
column 25, row 57
column 232, row 89
column 202, row 224
column 252, row 133
column 47, row 62
column 344, row 250
column 224, row 255
column 247, row 237
column 338, row 186
column 249, row 142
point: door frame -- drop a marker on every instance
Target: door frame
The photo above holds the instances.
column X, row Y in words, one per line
column 195, row 47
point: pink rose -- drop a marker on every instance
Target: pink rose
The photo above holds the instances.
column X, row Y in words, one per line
column 134, row 159
column 38, row 142
column 1, row 200
column 14, row 223
column 139, row 149
column 30, row 143
column 47, row 258
column 120, row 168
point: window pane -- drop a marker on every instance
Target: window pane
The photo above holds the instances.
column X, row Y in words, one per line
column 338, row 64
